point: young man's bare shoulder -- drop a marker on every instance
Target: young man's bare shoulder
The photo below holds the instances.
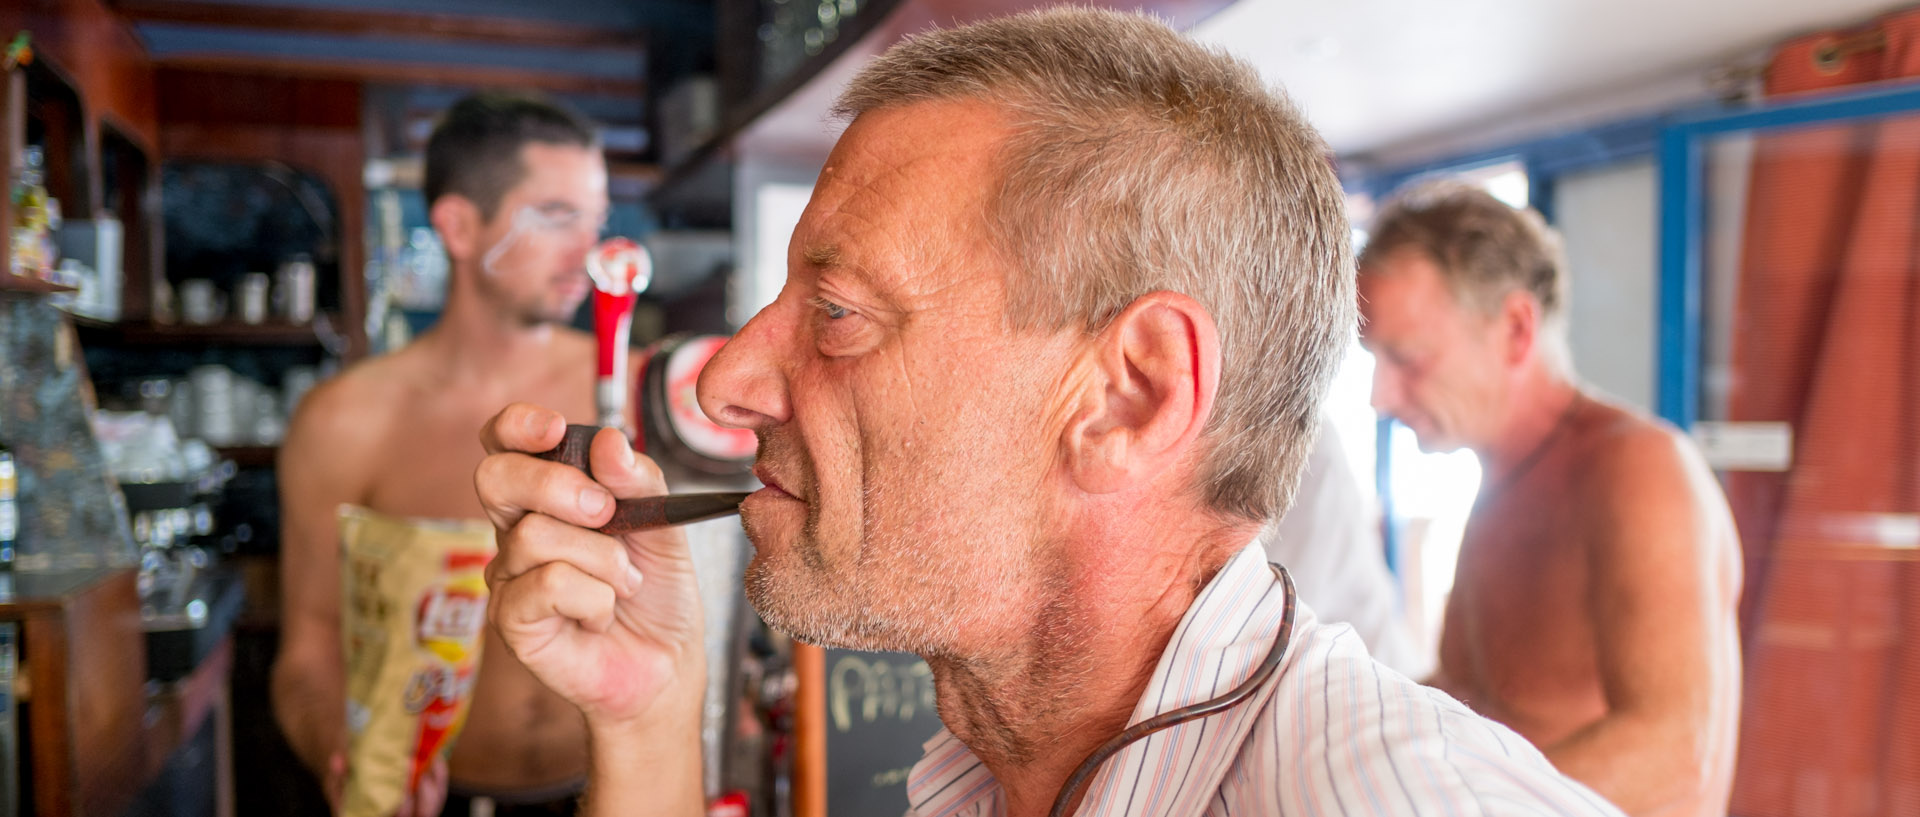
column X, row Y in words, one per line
column 352, row 410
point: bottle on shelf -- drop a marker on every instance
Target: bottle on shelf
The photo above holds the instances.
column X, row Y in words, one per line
column 36, row 217
column 9, row 508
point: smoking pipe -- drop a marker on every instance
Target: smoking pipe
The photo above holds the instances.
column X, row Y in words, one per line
column 629, row 515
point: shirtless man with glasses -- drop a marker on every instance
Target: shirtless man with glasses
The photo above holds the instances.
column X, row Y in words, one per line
column 517, row 189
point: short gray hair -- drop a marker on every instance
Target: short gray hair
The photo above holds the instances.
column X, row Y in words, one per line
column 1141, row 162
column 1483, row 247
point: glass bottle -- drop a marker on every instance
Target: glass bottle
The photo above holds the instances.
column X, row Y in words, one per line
column 9, row 508
column 30, row 254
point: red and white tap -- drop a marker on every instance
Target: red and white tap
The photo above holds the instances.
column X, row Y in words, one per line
column 621, row 270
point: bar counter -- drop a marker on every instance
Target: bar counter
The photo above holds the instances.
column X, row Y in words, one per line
column 94, row 730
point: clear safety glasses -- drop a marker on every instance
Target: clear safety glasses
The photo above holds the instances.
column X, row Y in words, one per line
column 549, row 222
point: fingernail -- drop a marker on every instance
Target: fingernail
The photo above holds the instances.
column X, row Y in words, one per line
column 633, row 579
column 592, row 500
column 538, row 423
column 632, row 456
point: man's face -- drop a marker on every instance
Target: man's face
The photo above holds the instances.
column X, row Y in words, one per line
column 1438, row 366
column 906, row 434
column 534, row 249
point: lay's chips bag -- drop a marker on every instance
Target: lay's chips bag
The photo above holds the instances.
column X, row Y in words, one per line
column 413, row 607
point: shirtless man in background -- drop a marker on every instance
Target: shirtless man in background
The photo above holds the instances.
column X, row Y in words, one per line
column 517, row 189
column 1593, row 606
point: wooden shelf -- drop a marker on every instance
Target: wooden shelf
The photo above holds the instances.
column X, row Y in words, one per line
column 10, row 282
column 249, row 456
column 83, row 653
column 219, row 334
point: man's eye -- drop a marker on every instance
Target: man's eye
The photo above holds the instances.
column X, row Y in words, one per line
column 834, row 311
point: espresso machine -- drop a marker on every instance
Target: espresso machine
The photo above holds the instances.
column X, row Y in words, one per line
column 173, row 489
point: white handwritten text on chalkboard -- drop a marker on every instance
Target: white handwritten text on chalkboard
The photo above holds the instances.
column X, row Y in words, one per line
column 879, row 689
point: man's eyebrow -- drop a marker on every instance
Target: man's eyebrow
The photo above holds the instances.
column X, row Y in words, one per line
column 828, row 257
column 824, row 256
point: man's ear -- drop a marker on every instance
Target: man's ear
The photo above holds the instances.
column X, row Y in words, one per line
column 1519, row 325
column 1156, row 372
column 458, row 221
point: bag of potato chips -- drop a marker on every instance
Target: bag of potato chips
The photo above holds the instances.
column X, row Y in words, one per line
column 413, row 605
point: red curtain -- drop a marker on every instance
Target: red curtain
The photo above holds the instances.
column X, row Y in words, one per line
column 1827, row 338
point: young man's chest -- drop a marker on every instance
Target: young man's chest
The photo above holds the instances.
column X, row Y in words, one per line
column 432, row 447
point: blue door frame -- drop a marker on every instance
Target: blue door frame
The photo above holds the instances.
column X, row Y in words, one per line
column 1683, row 217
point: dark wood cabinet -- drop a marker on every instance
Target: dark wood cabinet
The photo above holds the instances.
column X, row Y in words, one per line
column 83, row 658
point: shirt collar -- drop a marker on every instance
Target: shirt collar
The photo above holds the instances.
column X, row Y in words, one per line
column 1219, row 636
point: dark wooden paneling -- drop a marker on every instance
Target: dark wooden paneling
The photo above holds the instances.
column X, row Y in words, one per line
column 311, row 124
column 99, row 51
column 135, row 200
column 403, row 73
column 10, row 282
column 87, row 664
column 13, row 129
column 231, row 333
column 105, row 81
column 107, row 682
column 515, row 31
column 44, row 647
column 70, row 171
column 201, row 97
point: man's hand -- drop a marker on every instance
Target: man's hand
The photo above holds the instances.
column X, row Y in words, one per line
column 613, row 625
column 430, row 796
column 426, row 800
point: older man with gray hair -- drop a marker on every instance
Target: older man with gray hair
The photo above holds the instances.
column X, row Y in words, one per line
column 1055, row 331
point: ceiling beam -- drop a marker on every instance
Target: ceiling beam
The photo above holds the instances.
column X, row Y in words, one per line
column 384, row 72
column 361, row 22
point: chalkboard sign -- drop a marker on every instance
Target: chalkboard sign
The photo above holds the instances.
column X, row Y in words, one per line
column 879, row 713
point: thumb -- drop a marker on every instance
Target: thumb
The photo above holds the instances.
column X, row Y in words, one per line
column 626, row 472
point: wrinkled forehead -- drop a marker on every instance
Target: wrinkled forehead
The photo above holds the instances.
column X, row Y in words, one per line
column 906, row 191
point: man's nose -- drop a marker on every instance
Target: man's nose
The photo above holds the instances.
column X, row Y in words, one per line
column 584, row 236
column 744, row 385
column 576, row 245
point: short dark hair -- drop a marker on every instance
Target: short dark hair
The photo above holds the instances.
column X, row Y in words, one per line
column 475, row 150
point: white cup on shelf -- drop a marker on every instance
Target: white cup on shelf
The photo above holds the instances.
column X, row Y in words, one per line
column 296, row 289
column 213, row 392
column 251, row 295
column 180, row 408
column 201, row 302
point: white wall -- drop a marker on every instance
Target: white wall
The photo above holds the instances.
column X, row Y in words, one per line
column 1607, row 217
column 768, row 195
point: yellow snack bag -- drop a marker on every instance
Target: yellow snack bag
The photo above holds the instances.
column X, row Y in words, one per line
column 413, row 606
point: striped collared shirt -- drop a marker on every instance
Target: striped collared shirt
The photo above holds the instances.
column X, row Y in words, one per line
column 1332, row 732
